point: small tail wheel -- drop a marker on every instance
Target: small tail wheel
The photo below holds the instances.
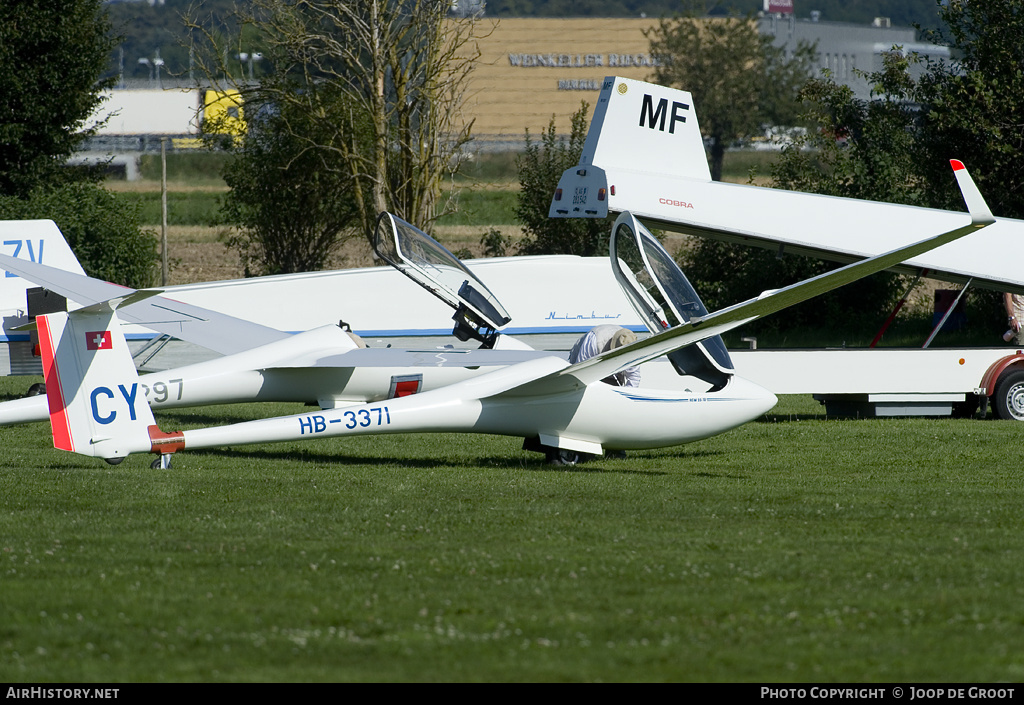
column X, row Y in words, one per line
column 162, row 463
column 1008, row 399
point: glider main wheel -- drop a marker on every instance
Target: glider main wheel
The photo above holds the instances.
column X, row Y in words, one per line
column 36, row 389
column 1008, row 400
column 163, row 462
column 559, row 456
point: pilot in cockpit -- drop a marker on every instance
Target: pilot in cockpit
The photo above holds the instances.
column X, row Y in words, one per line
column 601, row 339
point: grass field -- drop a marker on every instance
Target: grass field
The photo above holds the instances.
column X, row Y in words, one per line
column 796, row 548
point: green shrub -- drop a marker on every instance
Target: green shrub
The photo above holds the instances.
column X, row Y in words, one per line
column 101, row 227
column 540, row 167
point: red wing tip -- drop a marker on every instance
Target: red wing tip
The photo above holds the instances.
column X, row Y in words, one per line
column 956, row 164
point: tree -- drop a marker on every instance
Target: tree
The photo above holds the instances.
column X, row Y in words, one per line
column 739, row 81
column 972, row 107
column 101, row 228
column 540, row 167
column 395, row 74
column 293, row 204
column 53, row 54
column 858, row 148
column 896, row 147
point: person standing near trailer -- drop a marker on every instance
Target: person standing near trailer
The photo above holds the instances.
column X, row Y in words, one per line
column 1014, row 304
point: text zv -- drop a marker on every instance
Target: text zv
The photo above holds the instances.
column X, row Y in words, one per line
column 35, row 254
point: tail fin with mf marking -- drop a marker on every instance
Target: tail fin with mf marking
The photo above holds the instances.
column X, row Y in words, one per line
column 638, row 129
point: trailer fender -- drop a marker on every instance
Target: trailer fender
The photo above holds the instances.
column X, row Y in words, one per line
column 997, row 368
column 1003, row 383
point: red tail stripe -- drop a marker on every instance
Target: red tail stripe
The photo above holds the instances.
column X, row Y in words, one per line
column 59, row 423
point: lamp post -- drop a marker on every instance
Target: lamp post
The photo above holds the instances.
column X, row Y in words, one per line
column 146, row 62
column 249, row 58
column 155, row 65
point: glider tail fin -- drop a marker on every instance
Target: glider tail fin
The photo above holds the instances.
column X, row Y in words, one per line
column 97, row 405
column 634, row 123
column 35, row 241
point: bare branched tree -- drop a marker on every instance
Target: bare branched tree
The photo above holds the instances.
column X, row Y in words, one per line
column 383, row 80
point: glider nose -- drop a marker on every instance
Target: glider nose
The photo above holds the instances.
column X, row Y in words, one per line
column 759, row 400
column 768, row 401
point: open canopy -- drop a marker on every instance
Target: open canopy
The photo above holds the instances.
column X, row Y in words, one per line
column 478, row 313
column 664, row 298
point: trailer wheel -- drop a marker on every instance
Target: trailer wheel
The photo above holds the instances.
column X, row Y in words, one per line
column 1008, row 400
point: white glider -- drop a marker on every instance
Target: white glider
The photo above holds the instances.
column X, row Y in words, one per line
column 96, row 407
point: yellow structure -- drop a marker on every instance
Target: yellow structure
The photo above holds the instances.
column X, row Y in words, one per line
column 532, row 69
column 222, row 112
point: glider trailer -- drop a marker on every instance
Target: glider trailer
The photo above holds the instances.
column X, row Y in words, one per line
column 672, row 190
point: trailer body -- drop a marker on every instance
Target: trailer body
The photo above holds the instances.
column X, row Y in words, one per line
column 874, row 382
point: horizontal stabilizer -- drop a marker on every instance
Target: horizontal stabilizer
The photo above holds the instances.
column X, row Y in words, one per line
column 215, row 331
column 129, row 299
column 106, row 306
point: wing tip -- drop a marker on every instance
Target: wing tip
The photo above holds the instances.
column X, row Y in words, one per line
column 980, row 213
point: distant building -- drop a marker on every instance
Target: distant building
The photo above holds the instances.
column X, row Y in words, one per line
column 534, row 68
column 846, row 49
column 531, row 69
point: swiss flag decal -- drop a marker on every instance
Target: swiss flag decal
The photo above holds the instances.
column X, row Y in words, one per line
column 98, row 340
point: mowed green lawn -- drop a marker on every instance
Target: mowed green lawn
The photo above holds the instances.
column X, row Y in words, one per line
column 796, row 548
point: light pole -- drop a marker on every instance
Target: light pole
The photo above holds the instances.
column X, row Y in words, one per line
column 155, row 65
column 146, row 62
column 249, row 58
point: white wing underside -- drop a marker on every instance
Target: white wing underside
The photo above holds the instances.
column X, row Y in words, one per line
column 697, row 329
column 396, row 357
column 216, row 331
